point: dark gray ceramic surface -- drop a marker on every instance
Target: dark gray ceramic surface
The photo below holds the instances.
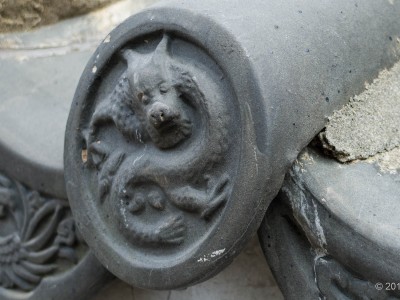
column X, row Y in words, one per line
column 42, row 256
column 189, row 114
column 333, row 230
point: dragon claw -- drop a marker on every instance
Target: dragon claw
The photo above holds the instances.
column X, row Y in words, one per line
column 218, row 195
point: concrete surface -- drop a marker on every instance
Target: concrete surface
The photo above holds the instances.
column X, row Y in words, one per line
column 388, row 162
column 41, row 68
column 370, row 123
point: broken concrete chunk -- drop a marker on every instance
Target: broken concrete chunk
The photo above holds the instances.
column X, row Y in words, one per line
column 369, row 123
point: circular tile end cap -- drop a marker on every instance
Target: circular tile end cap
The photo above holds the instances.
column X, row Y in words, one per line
column 162, row 166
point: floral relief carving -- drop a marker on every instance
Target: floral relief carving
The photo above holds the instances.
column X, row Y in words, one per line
column 36, row 233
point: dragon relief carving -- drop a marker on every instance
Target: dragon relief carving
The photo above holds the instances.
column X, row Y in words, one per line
column 180, row 139
column 36, row 233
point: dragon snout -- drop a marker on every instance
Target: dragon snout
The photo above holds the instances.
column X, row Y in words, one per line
column 161, row 114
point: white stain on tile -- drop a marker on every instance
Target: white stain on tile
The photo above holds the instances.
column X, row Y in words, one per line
column 214, row 254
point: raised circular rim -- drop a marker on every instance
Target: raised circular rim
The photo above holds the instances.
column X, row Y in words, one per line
column 209, row 35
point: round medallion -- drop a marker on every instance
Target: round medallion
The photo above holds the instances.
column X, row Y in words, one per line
column 40, row 248
column 161, row 158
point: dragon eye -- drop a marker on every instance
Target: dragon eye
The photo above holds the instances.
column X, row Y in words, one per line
column 163, row 89
column 143, row 98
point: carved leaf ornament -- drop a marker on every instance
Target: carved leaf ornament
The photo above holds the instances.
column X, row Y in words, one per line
column 35, row 231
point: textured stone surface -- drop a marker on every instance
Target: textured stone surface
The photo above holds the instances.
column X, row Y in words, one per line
column 75, row 34
column 388, row 161
column 27, row 14
column 370, row 123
